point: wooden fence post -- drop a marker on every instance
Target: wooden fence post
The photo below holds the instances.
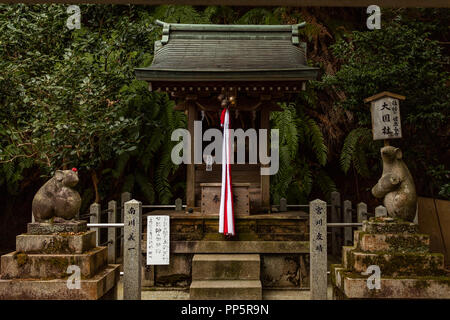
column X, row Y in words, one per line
column 335, row 217
column 132, row 256
column 178, row 204
column 348, row 234
column 318, row 249
column 112, row 216
column 95, row 214
column 361, row 212
column 283, row 205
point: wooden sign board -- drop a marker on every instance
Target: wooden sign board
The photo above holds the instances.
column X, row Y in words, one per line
column 158, row 240
column 210, row 204
column 385, row 111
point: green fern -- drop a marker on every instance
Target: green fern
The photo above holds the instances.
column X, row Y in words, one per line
column 353, row 151
column 317, row 141
column 299, row 135
column 305, row 178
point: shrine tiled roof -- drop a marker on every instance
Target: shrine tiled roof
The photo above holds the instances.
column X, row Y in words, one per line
column 201, row 52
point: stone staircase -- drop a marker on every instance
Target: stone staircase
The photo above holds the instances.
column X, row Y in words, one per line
column 226, row 277
column 408, row 268
column 38, row 269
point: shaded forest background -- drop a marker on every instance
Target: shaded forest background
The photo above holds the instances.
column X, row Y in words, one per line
column 69, row 98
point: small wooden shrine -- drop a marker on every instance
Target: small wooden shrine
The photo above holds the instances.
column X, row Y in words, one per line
column 257, row 65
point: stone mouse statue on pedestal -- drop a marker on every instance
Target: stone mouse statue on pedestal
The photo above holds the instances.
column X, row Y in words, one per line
column 56, row 198
column 396, row 185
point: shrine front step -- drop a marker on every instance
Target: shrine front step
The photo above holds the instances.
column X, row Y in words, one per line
column 226, row 290
column 226, row 267
column 226, row 277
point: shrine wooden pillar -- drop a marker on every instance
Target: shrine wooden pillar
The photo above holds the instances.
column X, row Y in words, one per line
column 190, row 179
column 265, row 179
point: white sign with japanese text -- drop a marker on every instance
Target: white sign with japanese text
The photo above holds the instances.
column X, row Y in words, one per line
column 386, row 122
column 158, row 240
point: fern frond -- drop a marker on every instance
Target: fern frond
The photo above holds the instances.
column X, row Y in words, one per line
column 360, row 161
column 305, row 180
column 350, row 142
column 317, row 141
column 162, row 184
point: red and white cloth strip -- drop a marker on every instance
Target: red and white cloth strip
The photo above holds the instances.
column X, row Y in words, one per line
column 226, row 215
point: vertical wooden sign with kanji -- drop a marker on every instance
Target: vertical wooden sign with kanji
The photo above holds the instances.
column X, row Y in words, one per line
column 385, row 111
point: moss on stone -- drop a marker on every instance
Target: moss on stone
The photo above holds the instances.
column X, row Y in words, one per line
column 57, row 245
column 350, row 259
column 22, row 259
column 377, row 225
column 173, row 280
column 407, row 244
column 421, row 284
column 406, row 263
column 59, row 263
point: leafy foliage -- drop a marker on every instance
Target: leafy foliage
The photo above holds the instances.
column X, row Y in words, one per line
column 303, row 154
column 70, row 99
column 399, row 58
column 357, row 145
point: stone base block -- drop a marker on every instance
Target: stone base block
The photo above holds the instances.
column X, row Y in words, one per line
column 55, row 243
column 52, row 266
column 398, row 263
column 389, row 225
column 226, row 290
column 226, row 267
column 49, row 228
column 346, row 256
column 372, row 242
column 348, row 285
column 91, row 289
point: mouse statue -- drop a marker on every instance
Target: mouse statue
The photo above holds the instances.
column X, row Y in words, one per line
column 396, row 186
column 56, row 198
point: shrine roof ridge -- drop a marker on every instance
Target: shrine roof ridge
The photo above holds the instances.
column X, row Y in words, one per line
column 199, row 52
column 229, row 27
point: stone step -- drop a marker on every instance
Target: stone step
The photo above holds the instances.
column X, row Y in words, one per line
column 95, row 288
column 226, row 267
column 16, row 265
column 407, row 242
column 348, row 285
column 396, row 264
column 56, row 243
column 51, row 228
column 226, row 290
column 346, row 256
column 389, row 225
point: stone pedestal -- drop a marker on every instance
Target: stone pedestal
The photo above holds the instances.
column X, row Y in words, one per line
column 38, row 269
column 407, row 269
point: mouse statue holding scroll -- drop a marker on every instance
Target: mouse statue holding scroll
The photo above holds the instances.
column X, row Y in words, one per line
column 396, row 186
column 56, row 199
